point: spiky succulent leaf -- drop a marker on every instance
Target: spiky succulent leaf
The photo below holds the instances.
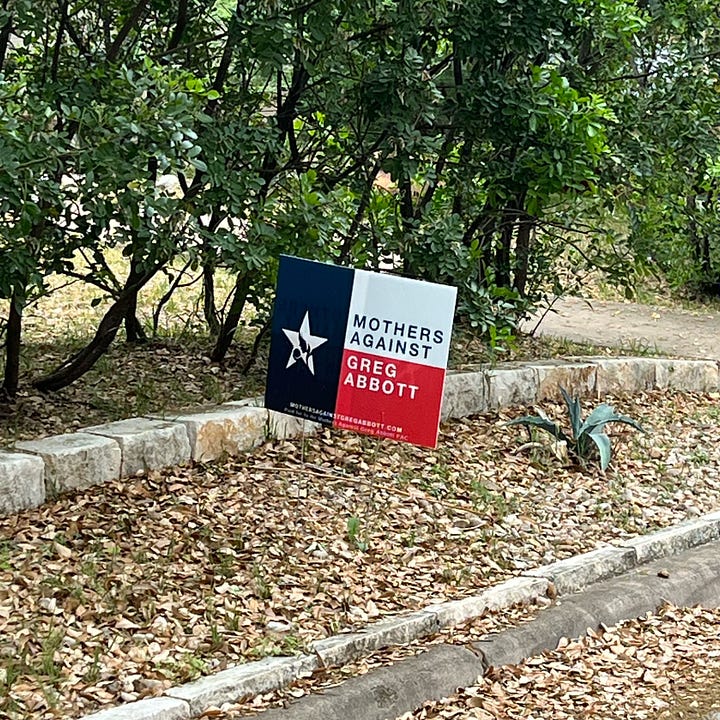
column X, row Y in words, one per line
column 603, row 445
column 542, row 423
column 604, row 414
column 575, row 412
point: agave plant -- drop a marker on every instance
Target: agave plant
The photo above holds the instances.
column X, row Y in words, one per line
column 587, row 435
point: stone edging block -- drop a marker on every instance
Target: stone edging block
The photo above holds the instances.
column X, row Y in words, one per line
column 243, row 681
column 279, row 426
column 508, row 593
column 22, row 482
column 465, row 393
column 75, row 461
column 508, row 386
column 617, row 376
column 398, row 630
column 675, row 539
column 223, row 430
column 688, row 375
column 515, row 590
column 578, row 378
column 578, row 572
column 146, row 444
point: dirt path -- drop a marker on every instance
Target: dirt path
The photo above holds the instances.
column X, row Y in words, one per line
column 686, row 333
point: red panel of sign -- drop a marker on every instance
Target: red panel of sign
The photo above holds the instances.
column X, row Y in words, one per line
column 390, row 398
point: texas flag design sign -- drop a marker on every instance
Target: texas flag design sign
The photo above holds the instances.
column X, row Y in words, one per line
column 360, row 350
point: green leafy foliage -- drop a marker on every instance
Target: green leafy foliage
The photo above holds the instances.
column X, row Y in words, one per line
column 587, row 437
column 472, row 143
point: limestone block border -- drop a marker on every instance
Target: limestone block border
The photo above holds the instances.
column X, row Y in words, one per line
column 75, row 461
column 146, row 444
column 135, row 445
column 22, row 482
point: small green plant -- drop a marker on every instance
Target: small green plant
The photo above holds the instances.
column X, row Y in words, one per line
column 49, row 665
column 92, row 675
column 353, row 533
column 6, row 548
column 263, row 588
column 11, row 671
column 489, row 501
column 187, row 667
column 278, row 647
column 586, row 435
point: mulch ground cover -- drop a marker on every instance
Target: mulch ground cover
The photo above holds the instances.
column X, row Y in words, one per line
column 118, row 592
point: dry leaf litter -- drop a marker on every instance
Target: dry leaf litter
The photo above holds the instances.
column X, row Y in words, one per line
column 114, row 594
column 664, row 666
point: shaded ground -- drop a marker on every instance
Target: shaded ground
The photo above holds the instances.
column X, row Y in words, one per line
column 113, row 594
column 635, row 328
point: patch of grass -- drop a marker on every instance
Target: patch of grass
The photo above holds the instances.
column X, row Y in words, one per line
column 49, row 666
column 485, row 500
column 454, row 575
column 699, row 456
column 639, row 348
column 188, row 667
column 278, row 646
column 435, row 488
column 6, row 551
column 93, row 672
column 262, row 585
column 11, row 671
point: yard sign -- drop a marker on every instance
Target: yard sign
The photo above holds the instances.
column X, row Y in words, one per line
column 360, row 350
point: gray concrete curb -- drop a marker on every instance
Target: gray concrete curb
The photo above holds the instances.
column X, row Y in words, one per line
column 633, row 562
column 46, row 467
column 690, row 578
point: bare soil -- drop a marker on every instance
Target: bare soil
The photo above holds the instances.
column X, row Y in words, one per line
column 635, row 328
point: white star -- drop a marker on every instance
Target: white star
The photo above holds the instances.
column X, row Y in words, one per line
column 303, row 344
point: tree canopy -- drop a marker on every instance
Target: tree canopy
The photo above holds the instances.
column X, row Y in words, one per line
column 469, row 142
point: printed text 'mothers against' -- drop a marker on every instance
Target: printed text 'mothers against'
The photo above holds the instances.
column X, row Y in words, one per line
column 413, row 341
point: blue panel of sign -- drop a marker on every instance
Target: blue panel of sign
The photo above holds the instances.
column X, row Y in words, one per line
column 308, row 335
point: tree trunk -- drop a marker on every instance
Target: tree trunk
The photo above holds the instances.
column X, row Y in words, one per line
column 522, row 244
column 691, row 210
column 134, row 332
column 209, row 308
column 256, row 345
column 13, row 337
column 502, row 251
column 522, row 252
column 76, row 366
column 229, row 326
column 5, row 32
column 407, row 215
column 706, row 260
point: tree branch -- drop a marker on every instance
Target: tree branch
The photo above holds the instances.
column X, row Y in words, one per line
column 180, row 26
column 132, row 22
column 59, row 41
column 5, row 36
